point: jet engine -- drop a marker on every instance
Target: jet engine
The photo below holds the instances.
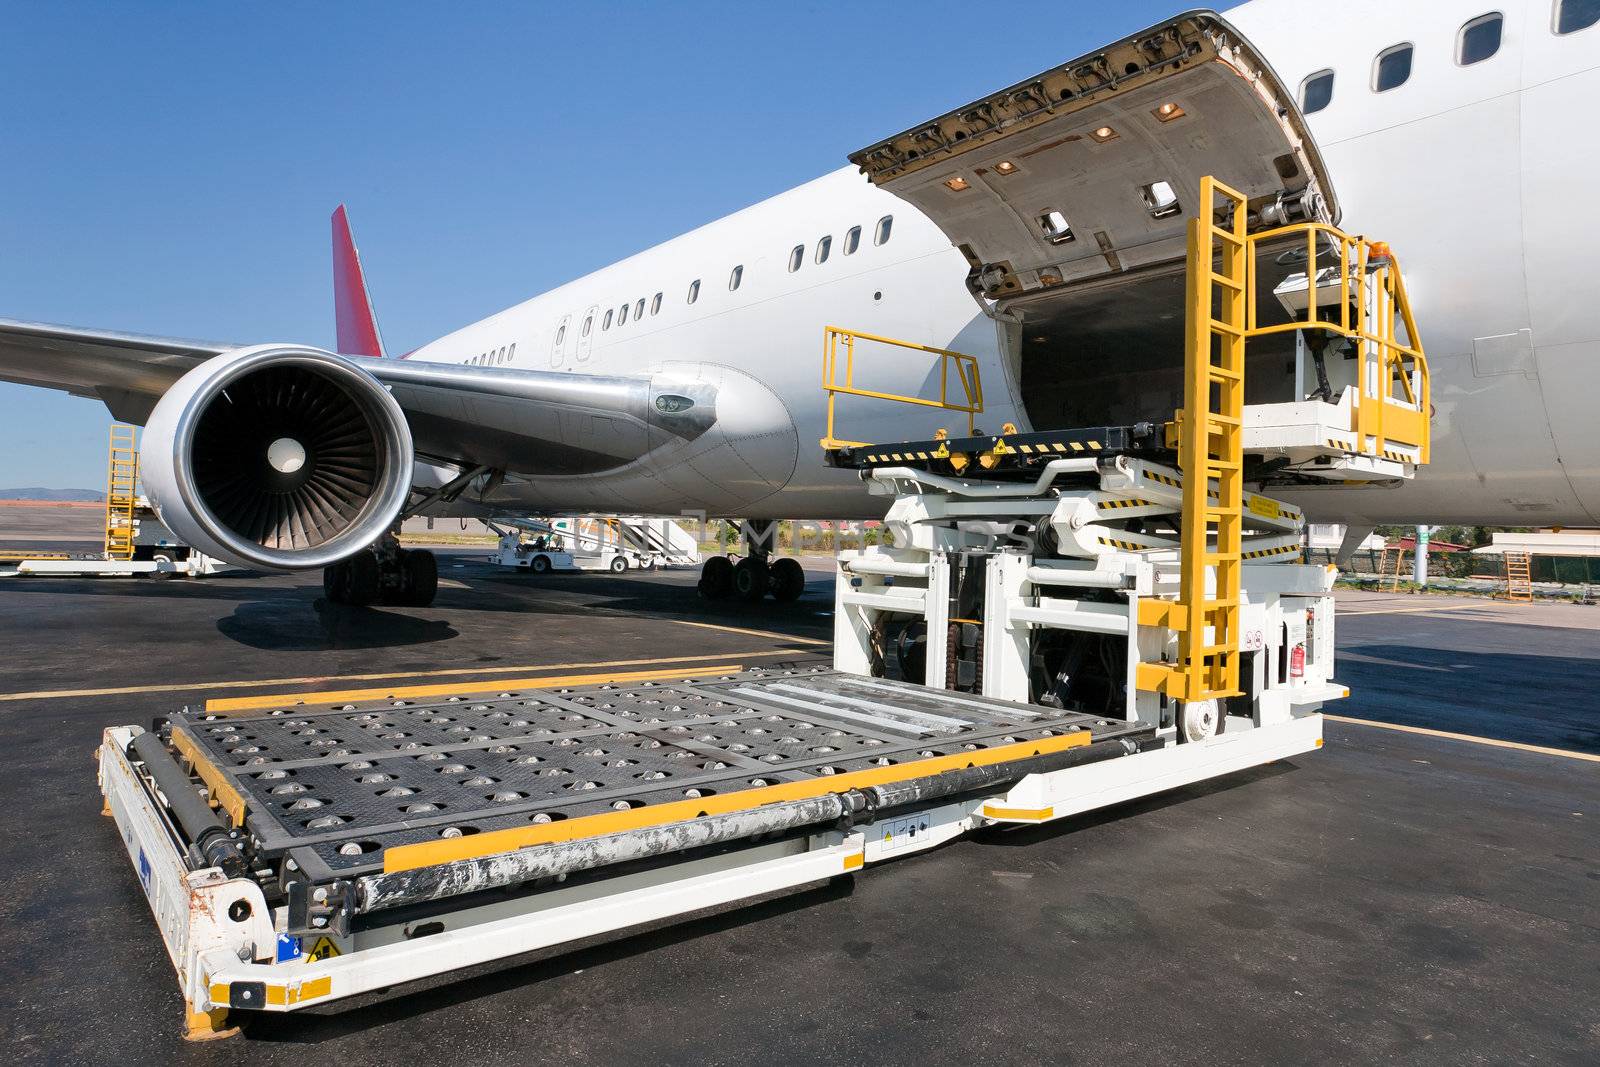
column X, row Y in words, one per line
column 277, row 457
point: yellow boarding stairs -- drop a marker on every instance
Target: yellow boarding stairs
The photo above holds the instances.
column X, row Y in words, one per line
column 1361, row 299
column 1389, row 575
column 1519, row 576
column 122, row 491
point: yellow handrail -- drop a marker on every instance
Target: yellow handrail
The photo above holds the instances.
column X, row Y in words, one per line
column 1393, row 387
column 965, row 366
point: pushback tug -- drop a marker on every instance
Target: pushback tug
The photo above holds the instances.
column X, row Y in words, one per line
column 1066, row 619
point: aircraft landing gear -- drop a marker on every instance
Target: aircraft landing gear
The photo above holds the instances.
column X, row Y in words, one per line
column 386, row 574
column 756, row 574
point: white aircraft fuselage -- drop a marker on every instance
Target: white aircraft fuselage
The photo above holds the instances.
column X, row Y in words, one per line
column 1477, row 175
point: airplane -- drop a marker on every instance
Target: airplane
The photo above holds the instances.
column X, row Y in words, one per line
column 1039, row 230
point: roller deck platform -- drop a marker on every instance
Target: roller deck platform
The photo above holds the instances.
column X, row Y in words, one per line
column 335, row 787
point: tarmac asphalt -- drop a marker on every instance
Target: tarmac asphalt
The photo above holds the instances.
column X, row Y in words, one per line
column 1398, row 896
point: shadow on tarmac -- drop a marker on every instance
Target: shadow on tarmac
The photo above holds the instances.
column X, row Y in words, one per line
column 291, row 625
column 305, row 1028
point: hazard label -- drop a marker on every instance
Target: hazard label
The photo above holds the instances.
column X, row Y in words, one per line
column 1265, row 507
column 324, row 949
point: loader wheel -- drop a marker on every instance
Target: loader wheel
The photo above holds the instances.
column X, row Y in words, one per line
column 1198, row 720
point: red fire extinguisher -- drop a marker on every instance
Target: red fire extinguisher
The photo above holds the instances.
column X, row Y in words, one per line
column 1297, row 661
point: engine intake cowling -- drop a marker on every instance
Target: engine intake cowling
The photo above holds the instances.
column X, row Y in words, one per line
column 277, row 457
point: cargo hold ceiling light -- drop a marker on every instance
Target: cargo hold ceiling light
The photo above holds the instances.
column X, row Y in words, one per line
column 1168, row 111
column 1104, row 134
column 956, row 184
column 1005, row 166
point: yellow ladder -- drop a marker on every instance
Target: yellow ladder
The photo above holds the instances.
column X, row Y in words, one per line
column 1391, row 576
column 122, row 481
column 1210, row 448
column 1519, row 576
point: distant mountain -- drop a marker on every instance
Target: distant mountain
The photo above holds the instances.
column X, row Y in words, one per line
column 36, row 493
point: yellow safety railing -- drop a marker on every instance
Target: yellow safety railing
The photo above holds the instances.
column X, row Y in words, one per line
column 122, row 482
column 1370, row 308
column 965, row 369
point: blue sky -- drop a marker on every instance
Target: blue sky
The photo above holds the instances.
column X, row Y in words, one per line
column 170, row 169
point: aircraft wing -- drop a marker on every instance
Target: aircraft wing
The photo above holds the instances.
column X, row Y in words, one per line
column 519, row 421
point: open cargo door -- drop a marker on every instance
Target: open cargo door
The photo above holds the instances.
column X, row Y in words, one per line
column 1069, row 195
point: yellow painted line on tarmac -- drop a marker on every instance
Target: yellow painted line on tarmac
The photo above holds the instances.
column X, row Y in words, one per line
column 754, row 633
column 1408, row 611
column 1542, row 750
column 259, row 683
column 223, row 705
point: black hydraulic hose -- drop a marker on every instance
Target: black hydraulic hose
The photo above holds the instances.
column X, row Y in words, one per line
column 202, row 826
column 393, row 889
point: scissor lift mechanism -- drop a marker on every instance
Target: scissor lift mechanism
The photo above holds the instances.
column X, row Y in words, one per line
column 1078, row 618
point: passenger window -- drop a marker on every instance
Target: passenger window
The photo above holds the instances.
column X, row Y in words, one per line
column 797, row 255
column 852, row 239
column 1480, row 39
column 1575, row 15
column 1391, row 69
column 638, row 309
column 561, row 335
column 588, row 322
column 606, row 325
column 824, row 246
column 655, row 305
column 1316, row 92
column 511, row 353
column 736, row 277
column 622, row 315
column 881, row 234
column 694, row 290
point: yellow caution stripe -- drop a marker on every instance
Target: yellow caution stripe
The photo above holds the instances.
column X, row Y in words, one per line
column 449, row 850
column 1018, row 814
column 1279, row 551
column 280, row 995
column 226, row 705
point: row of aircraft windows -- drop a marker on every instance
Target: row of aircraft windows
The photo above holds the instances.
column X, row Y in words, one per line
column 495, row 356
column 852, row 241
column 1477, row 40
column 619, row 316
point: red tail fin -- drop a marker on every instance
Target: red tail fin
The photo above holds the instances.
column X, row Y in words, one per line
column 353, row 317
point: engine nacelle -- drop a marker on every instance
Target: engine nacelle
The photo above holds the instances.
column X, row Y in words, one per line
column 278, row 457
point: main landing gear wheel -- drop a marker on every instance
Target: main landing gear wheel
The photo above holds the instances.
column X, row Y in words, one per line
column 716, row 578
column 788, row 579
column 751, row 579
column 1198, row 720
column 363, row 579
column 402, row 577
column 421, row 578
